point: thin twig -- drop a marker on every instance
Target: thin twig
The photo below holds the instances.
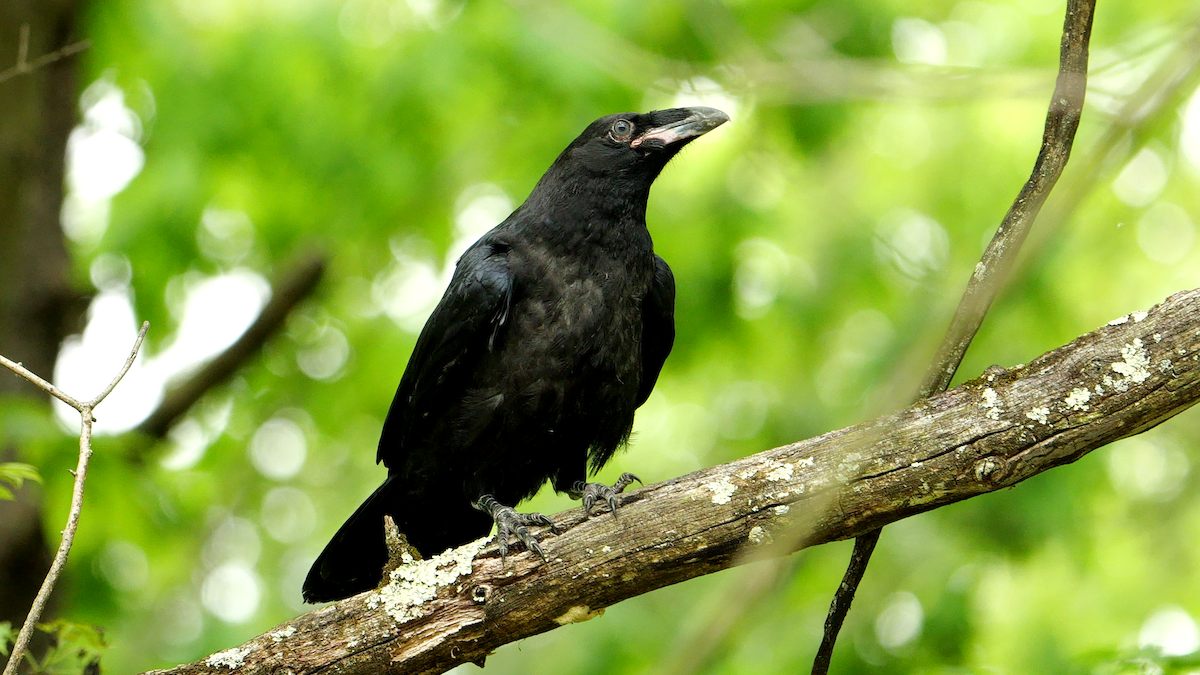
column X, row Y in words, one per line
column 23, row 46
column 68, row 535
column 992, row 271
column 24, row 65
column 1062, row 120
column 44, row 385
column 124, row 369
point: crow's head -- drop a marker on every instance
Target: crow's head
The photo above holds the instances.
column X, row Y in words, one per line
column 613, row 163
column 639, row 145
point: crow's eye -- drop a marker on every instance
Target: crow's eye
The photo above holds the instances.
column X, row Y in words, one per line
column 622, row 130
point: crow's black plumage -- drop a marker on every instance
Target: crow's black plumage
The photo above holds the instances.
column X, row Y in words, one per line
column 551, row 333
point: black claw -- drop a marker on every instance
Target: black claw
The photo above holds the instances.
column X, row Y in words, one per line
column 591, row 492
column 510, row 523
column 625, row 481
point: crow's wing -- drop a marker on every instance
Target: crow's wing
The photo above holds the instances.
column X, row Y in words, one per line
column 658, row 326
column 466, row 323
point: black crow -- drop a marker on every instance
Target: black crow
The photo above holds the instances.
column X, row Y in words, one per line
column 552, row 332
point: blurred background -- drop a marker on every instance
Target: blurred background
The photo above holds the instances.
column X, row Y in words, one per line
column 192, row 163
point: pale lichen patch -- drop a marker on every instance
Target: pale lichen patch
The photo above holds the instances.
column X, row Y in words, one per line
column 748, row 473
column 1119, row 320
column 230, row 658
column 1138, row 316
column 805, row 462
column 578, row 614
column 414, row 584
column 722, row 490
column 1078, row 398
column 782, row 509
column 1133, row 369
column 1039, row 415
column 1164, row 365
column 759, row 536
column 781, row 472
column 991, row 401
column 1158, row 337
column 283, row 634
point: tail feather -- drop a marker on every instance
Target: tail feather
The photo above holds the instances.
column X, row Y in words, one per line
column 431, row 520
column 353, row 560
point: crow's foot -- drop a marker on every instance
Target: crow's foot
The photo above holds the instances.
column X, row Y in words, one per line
column 590, row 492
column 509, row 523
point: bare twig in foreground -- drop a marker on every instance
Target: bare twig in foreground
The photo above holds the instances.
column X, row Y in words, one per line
column 988, row 434
column 25, row 66
column 85, row 409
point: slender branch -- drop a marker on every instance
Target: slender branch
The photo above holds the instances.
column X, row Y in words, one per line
column 992, row 271
column 289, row 291
column 54, row 391
column 987, row 434
column 24, row 66
column 68, row 535
column 137, row 345
column 1062, row 120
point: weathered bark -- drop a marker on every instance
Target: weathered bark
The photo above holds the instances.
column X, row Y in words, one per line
column 37, row 303
column 986, row 434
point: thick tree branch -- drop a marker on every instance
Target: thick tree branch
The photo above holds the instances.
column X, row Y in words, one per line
column 290, row 290
column 989, row 433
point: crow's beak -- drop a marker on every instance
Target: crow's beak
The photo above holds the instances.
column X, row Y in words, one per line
column 698, row 121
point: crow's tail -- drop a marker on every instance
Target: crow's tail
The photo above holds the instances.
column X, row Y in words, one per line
column 353, row 560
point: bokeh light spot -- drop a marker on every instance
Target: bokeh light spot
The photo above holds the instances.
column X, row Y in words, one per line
column 1165, row 233
column 900, row 622
column 231, row 593
column 1172, row 630
column 278, row 448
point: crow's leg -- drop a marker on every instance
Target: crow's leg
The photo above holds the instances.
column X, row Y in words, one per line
column 590, row 492
column 509, row 522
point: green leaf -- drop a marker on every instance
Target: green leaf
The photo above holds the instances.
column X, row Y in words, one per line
column 80, row 636
column 7, row 637
column 15, row 474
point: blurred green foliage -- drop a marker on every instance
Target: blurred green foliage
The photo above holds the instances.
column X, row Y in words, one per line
column 75, row 648
column 819, row 242
column 13, row 475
